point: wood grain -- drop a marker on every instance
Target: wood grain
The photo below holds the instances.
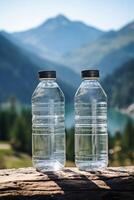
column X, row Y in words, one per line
column 70, row 183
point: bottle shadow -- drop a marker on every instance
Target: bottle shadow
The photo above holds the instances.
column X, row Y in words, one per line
column 75, row 185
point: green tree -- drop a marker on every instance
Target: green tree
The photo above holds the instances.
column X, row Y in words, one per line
column 7, row 119
column 70, row 144
column 128, row 134
column 21, row 132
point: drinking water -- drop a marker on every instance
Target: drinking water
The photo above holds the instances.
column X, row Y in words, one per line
column 91, row 139
column 48, row 129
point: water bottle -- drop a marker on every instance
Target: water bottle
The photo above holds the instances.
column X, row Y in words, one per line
column 48, row 127
column 91, row 139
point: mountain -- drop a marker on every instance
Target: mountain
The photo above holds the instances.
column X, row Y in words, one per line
column 128, row 27
column 106, row 53
column 57, row 36
column 65, row 74
column 18, row 73
column 119, row 86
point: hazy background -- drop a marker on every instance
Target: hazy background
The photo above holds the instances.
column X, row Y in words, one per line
column 66, row 36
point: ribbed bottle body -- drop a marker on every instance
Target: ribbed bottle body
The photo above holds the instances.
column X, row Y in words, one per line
column 91, row 139
column 48, row 127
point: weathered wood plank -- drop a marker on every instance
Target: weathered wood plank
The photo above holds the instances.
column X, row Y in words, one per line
column 70, row 183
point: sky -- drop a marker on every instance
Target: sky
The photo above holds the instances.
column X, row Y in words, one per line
column 19, row 15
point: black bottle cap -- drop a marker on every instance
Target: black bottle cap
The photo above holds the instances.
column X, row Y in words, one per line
column 47, row 74
column 90, row 73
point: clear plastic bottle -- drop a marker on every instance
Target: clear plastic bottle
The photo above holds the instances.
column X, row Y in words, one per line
column 48, row 126
column 91, row 139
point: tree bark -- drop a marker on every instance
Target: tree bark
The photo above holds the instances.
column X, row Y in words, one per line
column 70, row 183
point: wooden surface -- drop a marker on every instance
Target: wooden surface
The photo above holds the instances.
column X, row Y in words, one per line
column 70, row 183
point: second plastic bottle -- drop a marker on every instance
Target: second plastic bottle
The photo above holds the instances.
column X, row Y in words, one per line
column 91, row 139
column 48, row 129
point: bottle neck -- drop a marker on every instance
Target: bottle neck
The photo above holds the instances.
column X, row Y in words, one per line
column 48, row 79
column 90, row 79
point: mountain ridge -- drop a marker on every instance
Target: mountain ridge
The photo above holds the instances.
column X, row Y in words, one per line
column 119, row 86
column 18, row 73
column 57, row 36
column 96, row 53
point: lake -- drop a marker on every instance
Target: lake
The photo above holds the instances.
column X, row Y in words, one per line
column 116, row 120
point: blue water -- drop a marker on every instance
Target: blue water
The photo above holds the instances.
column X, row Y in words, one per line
column 116, row 120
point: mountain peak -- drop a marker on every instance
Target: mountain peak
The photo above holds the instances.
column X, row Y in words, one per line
column 58, row 20
column 128, row 27
column 61, row 17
